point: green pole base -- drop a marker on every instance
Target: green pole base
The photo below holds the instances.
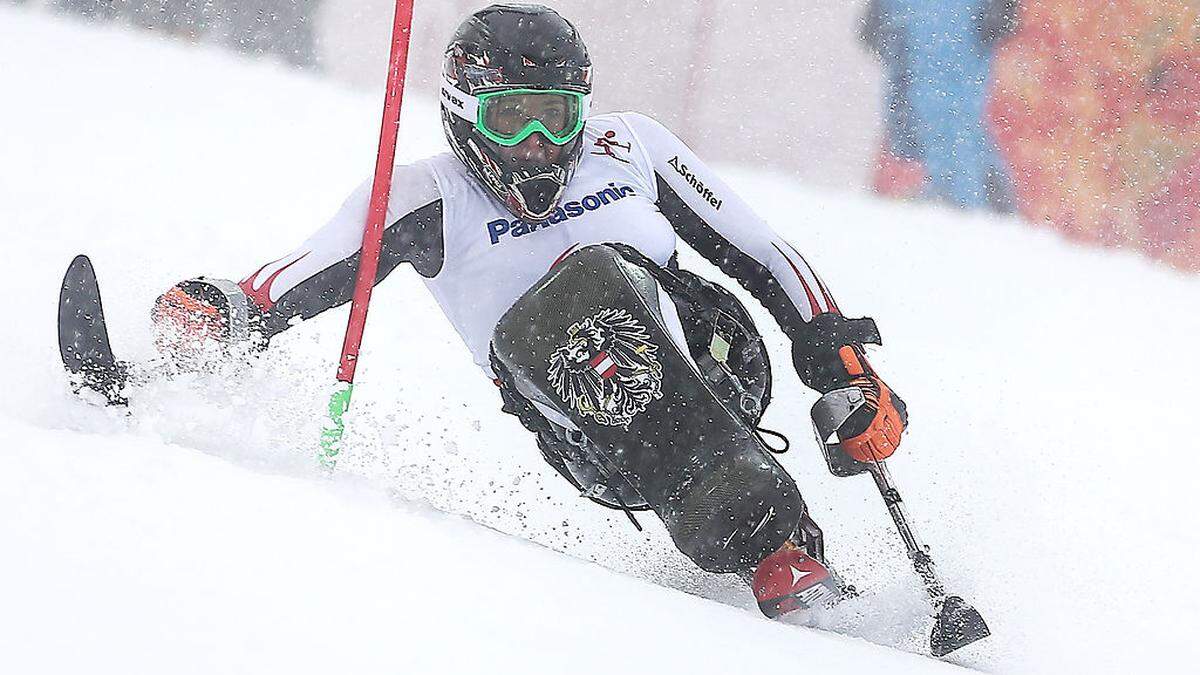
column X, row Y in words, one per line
column 335, row 427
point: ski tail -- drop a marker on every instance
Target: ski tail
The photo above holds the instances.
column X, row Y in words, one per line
column 83, row 336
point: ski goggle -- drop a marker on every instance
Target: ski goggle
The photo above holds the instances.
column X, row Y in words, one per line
column 510, row 116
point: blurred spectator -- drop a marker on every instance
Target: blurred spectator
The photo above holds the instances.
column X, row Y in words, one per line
column 294, row 30
column 281, row 27
column 1098, row 113
column 186, row 18
column 937, row 58
column 94, row 9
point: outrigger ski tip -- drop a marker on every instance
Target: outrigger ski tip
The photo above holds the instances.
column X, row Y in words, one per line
column 957, row 625
column 83, row 337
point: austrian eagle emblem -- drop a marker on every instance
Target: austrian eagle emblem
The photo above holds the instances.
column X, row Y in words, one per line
column 608, row 369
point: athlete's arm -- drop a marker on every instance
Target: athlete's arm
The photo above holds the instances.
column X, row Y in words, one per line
column 317, row 276
column 826, row 347
column 708, row 215
column 320, row 274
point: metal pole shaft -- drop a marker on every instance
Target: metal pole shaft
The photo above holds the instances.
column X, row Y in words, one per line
column 917, row 552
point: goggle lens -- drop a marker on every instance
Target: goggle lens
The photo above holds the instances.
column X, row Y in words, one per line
column 509, row 117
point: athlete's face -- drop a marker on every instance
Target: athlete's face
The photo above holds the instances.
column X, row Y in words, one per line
column 536, row 149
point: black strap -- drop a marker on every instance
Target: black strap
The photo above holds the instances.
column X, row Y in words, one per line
column 830, row 332
column 627, row 510
column 787, row 444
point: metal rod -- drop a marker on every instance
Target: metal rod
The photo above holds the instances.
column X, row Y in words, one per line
column 917, row 552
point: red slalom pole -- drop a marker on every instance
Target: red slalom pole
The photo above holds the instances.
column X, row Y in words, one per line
column 368, row 265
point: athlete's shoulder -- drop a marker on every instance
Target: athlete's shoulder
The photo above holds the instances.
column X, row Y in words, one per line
column 642, row 124
column 627, row 144
column 645, row 132
column 628, row 118
column 424, row 172
column 449, row 174
column 414, row 182
column 414, row 187
column 442, row 161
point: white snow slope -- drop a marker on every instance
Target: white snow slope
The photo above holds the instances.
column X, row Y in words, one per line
column 1050, row 463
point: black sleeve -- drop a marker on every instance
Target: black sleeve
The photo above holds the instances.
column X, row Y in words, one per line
column 415, row 238
column 814, row 342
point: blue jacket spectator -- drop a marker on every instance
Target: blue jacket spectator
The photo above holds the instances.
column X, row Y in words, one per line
column 937, row 56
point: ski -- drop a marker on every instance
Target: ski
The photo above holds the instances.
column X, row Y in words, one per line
column 83, row 336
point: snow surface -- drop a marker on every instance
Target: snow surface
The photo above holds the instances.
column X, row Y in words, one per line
column 1050, row 463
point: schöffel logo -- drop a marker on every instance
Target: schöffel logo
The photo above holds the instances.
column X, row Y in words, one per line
column 519, row 228
column 693, row 180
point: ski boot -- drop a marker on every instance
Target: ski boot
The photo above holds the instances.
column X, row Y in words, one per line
column 796, row 577
column 790, row 579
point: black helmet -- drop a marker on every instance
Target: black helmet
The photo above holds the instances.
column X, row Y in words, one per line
column 513, row 71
